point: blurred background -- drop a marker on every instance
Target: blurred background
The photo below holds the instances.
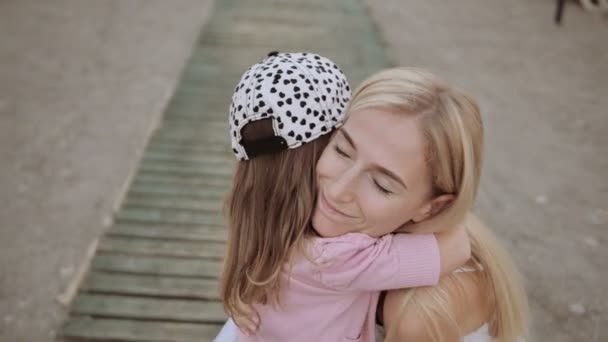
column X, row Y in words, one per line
column 83, row 84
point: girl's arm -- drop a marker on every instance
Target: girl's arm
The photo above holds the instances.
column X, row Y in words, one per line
column 392, row 261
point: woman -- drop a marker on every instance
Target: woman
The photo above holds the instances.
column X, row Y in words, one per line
column 409, row 156
column 411, row 152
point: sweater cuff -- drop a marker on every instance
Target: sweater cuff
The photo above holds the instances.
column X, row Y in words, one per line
column 419, row 263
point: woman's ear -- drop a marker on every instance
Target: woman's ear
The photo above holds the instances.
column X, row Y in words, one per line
column 432, row 208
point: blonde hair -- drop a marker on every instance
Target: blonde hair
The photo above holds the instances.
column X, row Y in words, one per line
column 452, row 125
column 269, row 211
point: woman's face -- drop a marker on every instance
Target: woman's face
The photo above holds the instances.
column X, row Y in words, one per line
column 372, row 176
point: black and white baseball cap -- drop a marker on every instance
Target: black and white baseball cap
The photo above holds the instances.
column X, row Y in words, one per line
column 305, row 94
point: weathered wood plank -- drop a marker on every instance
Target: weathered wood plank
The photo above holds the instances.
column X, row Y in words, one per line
column 298, row 6
column 170, row 233
column 169, row 216
column 219, row 168
column 220, row 159
column 195, row 179
column 203, row 169
column 194, row 140
column 154, row 177
column 104, row 329
column 287, row 14
column 155, row 247
column 149, row 308
column 233, row 58
column 150, row 265
column 153, row 200
column 207, row 191
column 257, row 38
column 207, row 135
column 157, row 286
column 184, row 148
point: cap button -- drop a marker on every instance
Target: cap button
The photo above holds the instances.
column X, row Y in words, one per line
column 273, row 53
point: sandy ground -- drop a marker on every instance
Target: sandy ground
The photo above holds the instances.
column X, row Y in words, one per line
column 544, row 94
column 82, row 83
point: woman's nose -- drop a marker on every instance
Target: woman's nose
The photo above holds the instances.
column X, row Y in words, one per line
column 340, row 189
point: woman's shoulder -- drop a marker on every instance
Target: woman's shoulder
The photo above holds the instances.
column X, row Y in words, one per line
column 464, row 294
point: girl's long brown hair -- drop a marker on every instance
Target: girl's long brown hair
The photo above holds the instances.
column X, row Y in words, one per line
column 268, row 211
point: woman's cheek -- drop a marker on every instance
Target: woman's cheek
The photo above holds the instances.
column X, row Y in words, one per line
column 389, row 214
column 375, row 209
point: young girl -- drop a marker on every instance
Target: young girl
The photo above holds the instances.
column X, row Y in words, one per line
column 304, row 284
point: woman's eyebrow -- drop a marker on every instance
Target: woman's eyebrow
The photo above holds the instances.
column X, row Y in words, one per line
column 348, row 138
column 376, row 167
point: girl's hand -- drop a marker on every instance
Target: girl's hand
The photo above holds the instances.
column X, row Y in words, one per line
column 249, row 322
column 454, row 248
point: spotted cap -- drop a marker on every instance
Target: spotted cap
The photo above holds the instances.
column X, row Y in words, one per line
column 305, row 94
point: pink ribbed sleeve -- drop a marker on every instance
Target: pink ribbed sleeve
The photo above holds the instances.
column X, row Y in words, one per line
column 361, row 263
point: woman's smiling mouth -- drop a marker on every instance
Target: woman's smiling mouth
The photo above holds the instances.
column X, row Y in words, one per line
column 330, row 209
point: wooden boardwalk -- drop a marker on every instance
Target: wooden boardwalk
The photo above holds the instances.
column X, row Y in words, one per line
column 154, row 276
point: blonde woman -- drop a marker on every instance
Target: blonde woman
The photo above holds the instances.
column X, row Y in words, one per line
column 409, row 157
column 421, row 142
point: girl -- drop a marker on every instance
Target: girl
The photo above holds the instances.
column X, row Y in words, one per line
column 308, row 283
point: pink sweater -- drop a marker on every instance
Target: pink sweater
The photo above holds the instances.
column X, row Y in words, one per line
column 335, row 300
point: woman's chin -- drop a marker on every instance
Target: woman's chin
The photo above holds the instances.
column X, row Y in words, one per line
column 325, row 227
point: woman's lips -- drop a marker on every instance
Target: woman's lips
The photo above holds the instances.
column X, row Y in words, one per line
column 328, row 207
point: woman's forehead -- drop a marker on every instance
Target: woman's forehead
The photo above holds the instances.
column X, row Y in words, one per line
column 390, row 139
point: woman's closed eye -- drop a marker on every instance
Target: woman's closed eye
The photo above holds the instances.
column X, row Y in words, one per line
column 380, row 188
column 341, row 152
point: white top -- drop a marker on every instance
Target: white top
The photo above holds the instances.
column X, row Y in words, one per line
column 480, row 335
column 229, row 334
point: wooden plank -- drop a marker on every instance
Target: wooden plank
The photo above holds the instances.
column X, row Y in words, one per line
column 210, row 98
column 193, row 121
column 104, row 329
column 157, row 286
column 155, row 247
column 233, row 58
column 149, row 308
column 197, row 141
column 218, row 104
column 147, row 200
column 208, row 167
column 220, row 159
column 211, row 192
column 155, row 177
column 169, row 216
column 140, row 264
column 210, row 125
column 193, row 139
column 371, row 56
column 170, row 233
column 213, row 101
column 184, row 148
column 269, row 35
column 150, row 166
column 309, row 5
column 185, row 178
column 286, row 15
column 208, row 135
